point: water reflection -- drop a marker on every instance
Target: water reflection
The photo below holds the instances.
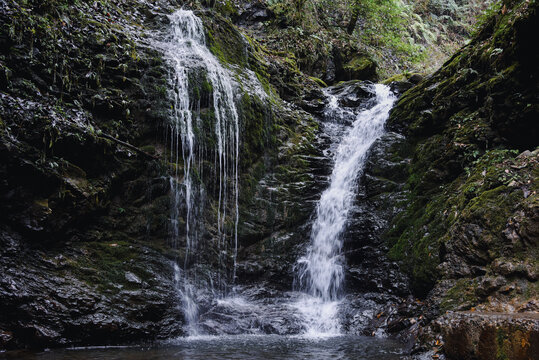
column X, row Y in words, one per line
column 237, row 348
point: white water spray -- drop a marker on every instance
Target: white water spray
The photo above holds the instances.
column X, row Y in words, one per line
column 321, row 269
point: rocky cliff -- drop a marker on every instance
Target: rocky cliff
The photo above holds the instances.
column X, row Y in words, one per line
column 87, row 255
column 446, row 216
column 468, row 233
column 83, row 211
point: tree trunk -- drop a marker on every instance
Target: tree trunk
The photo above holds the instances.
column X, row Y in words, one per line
column 299, row 4
column 353, row 19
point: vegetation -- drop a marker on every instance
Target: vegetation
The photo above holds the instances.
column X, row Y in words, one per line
column 400, row 35
column 466, row 181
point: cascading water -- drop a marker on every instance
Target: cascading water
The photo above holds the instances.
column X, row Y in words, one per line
column 186, row 50
column 321, row 270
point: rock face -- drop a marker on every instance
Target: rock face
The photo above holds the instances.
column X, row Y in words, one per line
column 49, row 296
column 491, row 336
column 381, row 191
column 464, row 166
column 84, row 214
column 470, row 208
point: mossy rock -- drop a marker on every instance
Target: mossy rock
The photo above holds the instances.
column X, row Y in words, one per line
column 467, row 122
column 361, row 67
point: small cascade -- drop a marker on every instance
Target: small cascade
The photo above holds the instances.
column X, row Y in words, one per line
column 187, row 297
column 186, row 51
column 321, row 271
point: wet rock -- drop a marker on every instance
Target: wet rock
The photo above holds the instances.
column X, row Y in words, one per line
column 258, row 310
column 380, row 191
column 509, row 268
column 356, row 66
column 132, row 278
column 490, row 336
column 45, row 308
column 253, row 13
column 314, row 101
column 489, row 285
column 416, row 78
column 353, row 93
column 400, row 87
column 85, row 213
column 5, row 338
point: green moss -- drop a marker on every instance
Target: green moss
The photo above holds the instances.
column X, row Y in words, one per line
column 318, row 81
column 397, row 77
column 225, row 41
column 104, row 264
column 501, row 339
column 416, row 241
column 249, row 182
column 362, row 67
column 150, row 149
column 227, row 8
column 480, row 197
column 461, row 296
column 264, row 81
column 256, row 127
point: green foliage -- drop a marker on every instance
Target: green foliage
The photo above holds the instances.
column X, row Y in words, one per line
column 486, row 16
column 401, row 35
column 383, row 24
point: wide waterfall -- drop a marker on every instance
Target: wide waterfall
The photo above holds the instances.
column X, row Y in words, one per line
column 186, row 50
column 321, row 272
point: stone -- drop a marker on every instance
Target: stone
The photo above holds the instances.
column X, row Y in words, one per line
column 361, row 67
column 415, row 78
column 489, row 336
column 132, row 278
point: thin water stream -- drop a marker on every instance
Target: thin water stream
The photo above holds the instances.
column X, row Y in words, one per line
column 186, row 51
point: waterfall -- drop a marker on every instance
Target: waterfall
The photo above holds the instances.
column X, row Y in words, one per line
column 186, row 51
column 321, row 270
